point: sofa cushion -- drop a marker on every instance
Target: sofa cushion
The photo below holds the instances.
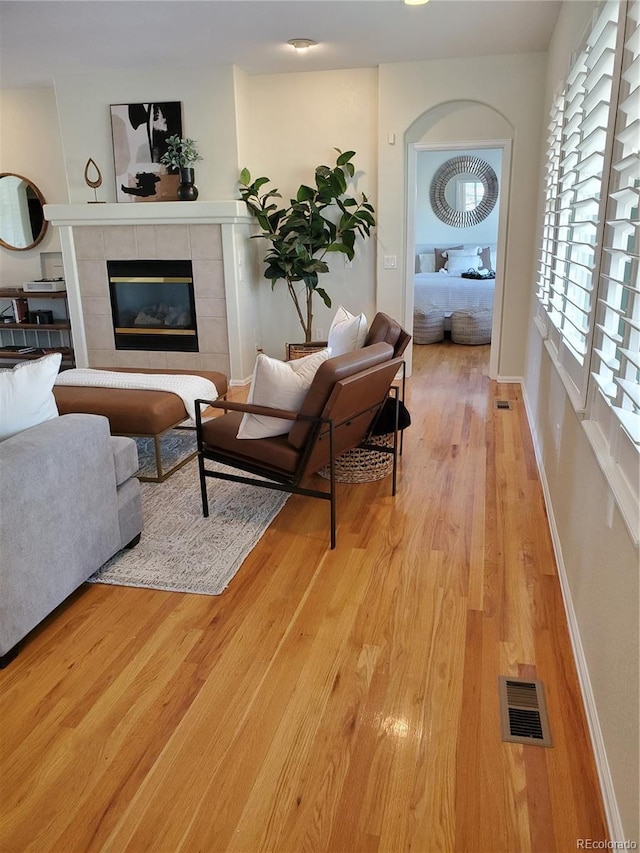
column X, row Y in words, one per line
column 125, row 457
column 26, row 397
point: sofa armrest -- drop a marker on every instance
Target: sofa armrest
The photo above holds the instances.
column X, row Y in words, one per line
column 59, row 519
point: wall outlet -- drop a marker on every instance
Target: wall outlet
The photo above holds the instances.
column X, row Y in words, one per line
column 318, row 334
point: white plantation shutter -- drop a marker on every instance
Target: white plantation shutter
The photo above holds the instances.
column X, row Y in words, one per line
column 587, row 282
column 614, row 415
column 587, row 116
column 549, row 225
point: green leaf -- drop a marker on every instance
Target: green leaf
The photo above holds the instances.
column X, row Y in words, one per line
column 324, row 296
column 345, row 157
column 245, row 177
column 305, row 193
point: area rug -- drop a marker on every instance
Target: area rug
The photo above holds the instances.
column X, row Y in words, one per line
column 180, row 551
column 175, row 445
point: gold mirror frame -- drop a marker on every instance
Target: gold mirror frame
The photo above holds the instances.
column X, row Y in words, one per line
column 465, row 164
column 45, row 224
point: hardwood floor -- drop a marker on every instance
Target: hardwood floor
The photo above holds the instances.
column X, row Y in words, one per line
column 341, row 701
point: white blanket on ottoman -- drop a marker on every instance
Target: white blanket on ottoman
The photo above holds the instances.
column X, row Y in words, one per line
column 188, row 388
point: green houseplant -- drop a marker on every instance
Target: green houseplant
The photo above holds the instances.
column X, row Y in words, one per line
column 317, row 221
column 182, row 154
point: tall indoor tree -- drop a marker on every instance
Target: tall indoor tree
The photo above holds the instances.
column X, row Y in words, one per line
column 318, row 220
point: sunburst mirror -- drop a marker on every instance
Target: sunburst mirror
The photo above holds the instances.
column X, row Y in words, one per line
column 463, row 191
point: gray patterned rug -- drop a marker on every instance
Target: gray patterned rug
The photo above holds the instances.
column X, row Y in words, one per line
column 174, row 446
column 180, row 551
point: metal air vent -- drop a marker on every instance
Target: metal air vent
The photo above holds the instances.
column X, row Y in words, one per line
column 523, row 712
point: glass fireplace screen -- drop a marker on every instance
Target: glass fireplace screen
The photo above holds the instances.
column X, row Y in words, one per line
column 153, row 305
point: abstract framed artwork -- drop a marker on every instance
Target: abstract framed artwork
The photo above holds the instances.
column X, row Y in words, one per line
column 140, row 133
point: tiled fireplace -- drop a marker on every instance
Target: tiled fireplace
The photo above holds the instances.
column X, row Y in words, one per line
column 97, row 246
column 210, row 238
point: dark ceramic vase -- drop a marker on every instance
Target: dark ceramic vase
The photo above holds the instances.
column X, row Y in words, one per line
column 187, row 191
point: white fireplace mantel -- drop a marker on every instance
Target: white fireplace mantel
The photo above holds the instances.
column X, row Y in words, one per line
column 236, row 226
column 148, row 213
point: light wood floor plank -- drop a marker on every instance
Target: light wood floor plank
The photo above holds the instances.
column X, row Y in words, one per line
column 341, row 701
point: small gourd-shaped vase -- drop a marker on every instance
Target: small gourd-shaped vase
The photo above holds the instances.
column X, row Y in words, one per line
column 187, row 190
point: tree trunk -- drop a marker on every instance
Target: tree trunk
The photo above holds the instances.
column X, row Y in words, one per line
column 309, row 325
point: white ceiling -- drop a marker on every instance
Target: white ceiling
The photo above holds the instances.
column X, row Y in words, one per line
column 41, row 39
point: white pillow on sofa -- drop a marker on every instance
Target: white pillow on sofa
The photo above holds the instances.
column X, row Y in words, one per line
column 26, row 396
column 347, row 332
column 461, row 260
column 282, row 385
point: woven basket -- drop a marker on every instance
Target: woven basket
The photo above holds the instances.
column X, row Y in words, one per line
column 471, row 327
column 293, row 351
column 428, row 325
column 363, row 466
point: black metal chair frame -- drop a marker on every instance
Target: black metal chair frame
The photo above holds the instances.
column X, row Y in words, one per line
column 290, row 482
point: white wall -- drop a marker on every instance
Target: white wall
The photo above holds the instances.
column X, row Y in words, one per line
column 510, row 88
column 333, row 109
column 599, row 557
column 208, row 116
column 428, row 228
column 30, row 146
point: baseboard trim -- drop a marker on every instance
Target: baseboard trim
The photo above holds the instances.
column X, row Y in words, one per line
column 513, row 380
column 612, row 812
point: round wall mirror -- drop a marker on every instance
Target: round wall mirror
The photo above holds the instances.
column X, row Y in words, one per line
column 463, row 191
column 22, row 222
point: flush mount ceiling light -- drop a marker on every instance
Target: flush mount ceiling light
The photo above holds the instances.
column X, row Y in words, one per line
column 302, row 44
column 415, row 2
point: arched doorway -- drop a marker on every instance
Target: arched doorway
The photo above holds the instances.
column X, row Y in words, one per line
column 459, row 126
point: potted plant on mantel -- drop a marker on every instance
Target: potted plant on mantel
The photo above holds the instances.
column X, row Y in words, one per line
column 319, row 220
column 182, row 154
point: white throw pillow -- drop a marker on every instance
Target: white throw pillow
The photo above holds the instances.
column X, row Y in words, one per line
column 347, row 333
column 427, row 262
column 461, row 260
column 26, row 398
column 282, row 385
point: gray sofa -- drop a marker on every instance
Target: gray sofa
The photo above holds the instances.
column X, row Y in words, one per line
column 69, row 500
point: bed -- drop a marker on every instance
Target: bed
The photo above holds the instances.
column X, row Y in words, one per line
column 437, row 287
column 452, row 292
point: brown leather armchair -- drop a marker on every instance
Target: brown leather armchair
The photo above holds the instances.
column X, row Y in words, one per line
column 345, row 397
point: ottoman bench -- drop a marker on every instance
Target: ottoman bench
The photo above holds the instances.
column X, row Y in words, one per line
column 472, row 326
column 136, row 413
column 428, row 325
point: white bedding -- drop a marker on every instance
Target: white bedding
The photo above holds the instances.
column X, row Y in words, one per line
column 452, row 293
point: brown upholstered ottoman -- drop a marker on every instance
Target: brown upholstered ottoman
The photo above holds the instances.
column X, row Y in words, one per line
column 136, row 413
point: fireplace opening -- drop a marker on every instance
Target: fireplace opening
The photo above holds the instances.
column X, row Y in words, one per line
column 153, row 305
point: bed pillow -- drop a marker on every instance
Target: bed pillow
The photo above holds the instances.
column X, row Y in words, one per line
column 487, row 258
column 26, row 395
column 281, row 384
column 439, row 259
column 460, row 260
column 347, row 332
column 427, row 262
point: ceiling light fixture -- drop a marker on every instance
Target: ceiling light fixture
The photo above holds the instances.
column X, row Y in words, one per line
column 415, row 2
column 302, row 44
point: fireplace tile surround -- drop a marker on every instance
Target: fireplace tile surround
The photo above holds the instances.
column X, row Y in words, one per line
column 214, row 236
column 202, row 244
